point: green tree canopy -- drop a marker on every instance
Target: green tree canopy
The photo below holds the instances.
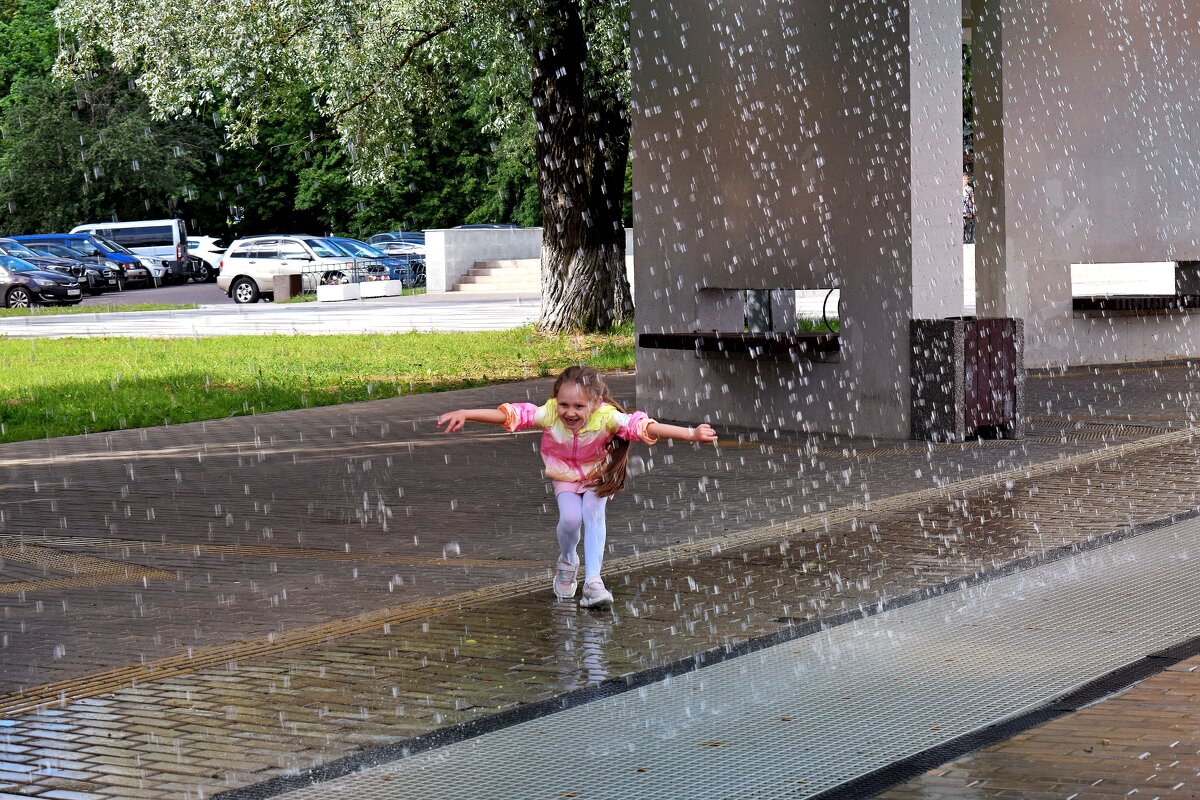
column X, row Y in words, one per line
column 73, row 154
column 379, row 71
column 30, row 40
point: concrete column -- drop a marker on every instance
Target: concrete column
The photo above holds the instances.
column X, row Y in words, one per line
column 782, row 146
column 1087, row 152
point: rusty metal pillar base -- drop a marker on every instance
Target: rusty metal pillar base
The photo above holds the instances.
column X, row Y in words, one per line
column 968, row 379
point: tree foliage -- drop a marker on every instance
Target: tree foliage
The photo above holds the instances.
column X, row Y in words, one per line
column 384, row 75
column 91, row 152
column 94, row 148
column 30, row 41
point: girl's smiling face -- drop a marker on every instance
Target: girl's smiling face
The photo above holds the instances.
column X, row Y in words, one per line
column 575, row 406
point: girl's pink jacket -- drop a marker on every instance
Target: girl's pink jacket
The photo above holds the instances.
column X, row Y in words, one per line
column 572, row 459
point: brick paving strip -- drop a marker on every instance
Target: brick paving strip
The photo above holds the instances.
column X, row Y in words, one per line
column 88, row 570
column 243, row 713
column 1141, row 742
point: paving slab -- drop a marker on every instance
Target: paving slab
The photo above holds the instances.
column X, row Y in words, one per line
column 822, row 712
column 1142, row 742
column 308, row 584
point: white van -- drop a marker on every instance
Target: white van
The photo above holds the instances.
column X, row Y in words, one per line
column 162, row 242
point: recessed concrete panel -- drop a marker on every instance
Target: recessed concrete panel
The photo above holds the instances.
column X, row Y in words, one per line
column 1087, row 151
column 796, row 146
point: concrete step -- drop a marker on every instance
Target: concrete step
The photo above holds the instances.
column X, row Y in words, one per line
column 523, row 288
column 478, row 270
column 502, row 275
column 498, row 279
column 478, row 276
column 509, row 264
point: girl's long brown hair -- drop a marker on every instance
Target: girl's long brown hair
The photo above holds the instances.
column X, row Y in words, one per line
column 611, row 478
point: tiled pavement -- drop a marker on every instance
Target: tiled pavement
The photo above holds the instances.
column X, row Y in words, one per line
column 1142, row 743
column 347, row 576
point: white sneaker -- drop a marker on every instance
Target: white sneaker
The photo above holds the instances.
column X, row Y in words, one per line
column 594, row 594
column 565, row 574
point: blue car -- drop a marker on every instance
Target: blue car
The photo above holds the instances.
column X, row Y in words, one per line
column 400, row 267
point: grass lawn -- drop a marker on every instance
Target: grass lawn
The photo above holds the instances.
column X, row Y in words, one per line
column 39, row 310
column 57, row 387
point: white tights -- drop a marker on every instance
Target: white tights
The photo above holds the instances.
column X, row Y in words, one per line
column 584, row 511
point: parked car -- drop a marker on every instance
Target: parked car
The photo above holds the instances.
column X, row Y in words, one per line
column 402, row 249
column 364, row 268
column 159, row 269
column 112, row 273
column 410, row 252
column 97, row 250
column 93, row 279
column 161, row 244
column 205, row 254
column 408, row 245
column 56, row 250
column 249, row 266
column 398, row 268
column 22, row 285
column 413, row 237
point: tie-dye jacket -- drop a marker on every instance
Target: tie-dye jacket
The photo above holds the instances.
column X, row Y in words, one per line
column 573, row 459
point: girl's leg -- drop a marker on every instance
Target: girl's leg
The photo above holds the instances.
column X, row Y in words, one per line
column 570, row 518
column 594, row 533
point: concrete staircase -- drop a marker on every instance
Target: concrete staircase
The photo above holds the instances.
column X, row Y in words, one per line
column 522, row 275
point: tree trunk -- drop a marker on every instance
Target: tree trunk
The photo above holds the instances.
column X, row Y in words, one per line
column 582, row 151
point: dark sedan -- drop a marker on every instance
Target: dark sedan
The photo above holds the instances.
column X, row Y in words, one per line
column 92, row 279
column 97, row 260
column 22, row 284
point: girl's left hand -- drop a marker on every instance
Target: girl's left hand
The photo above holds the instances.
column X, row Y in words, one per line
column 704, row 433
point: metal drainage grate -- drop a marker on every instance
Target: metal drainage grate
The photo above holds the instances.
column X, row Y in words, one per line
column 807, row 716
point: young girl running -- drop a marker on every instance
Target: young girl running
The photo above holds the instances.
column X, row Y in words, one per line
column 585, row 446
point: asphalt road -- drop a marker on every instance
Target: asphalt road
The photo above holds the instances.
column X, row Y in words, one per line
column 181, row 294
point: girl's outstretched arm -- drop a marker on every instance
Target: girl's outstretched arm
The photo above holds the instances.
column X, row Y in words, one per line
column 700, row 433
column 454, row 420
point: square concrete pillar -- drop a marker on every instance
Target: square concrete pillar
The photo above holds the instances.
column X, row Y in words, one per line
column 1086, row 152
column 782, row 146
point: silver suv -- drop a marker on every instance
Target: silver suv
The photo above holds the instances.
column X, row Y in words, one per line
column 249, row 266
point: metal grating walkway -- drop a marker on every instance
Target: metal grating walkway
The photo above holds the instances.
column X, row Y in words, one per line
column 809, row 715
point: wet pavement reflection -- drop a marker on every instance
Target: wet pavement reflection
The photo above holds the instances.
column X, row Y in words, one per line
column 277, row 622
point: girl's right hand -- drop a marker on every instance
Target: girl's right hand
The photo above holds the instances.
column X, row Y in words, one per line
column 453, row 420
